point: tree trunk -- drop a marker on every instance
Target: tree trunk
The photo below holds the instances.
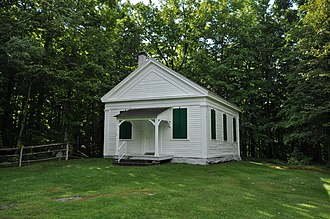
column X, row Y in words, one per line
column 243, row 150
column 243, row 146
column 252, row 148
column 19, row 141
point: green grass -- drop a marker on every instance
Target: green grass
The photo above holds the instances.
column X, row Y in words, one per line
column 228, row 190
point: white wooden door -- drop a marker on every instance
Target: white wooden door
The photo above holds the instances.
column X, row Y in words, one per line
column 149, row 137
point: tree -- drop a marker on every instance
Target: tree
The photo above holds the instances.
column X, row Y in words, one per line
column 307, row 108
column 231, row 48
column 70, row 53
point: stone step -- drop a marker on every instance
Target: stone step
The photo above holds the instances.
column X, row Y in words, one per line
column 133, row 162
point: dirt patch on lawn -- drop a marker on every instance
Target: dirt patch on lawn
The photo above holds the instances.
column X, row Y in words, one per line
column 72, row 198
column 125, row 193
column 6, row 206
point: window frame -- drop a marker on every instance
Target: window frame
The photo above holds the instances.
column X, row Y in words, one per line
column 213, row 124
column 234, row 129
column 172, row 124
column 131, row 134
column 225, row 127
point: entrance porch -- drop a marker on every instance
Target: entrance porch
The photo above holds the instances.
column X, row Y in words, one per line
column 139, row 135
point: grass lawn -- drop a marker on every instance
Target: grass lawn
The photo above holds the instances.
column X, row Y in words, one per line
column 94, row 188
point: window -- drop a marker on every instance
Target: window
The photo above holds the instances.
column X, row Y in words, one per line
column 180, row 123
column 213, row 125
column 224, row 127
column 234, row 130
column 125, row 130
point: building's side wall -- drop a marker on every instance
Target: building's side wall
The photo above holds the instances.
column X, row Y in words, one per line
column 219, row 147
column 191, row 147
column 109, row 143
column 199, row 144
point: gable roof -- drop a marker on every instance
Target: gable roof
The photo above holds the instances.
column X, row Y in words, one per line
column 184, row 85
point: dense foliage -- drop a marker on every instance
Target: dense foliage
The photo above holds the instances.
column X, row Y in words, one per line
column 59, row 57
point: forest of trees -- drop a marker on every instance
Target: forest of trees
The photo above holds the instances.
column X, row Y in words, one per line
column 59, row 57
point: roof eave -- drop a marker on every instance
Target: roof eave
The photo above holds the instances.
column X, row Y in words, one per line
column 224, row 102
column 135, row 118
column 180, row 77
column 154, row 98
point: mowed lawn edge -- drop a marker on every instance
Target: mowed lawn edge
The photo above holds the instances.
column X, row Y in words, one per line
column 94, row 188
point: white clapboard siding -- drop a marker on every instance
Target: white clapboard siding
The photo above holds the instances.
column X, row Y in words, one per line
column 152, row 82
column 218, row 147
column 152, row 85
column 110, row 133
column 133, row 145
column 191, row 147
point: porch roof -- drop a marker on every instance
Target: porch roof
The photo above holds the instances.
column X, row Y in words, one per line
column 141, row 113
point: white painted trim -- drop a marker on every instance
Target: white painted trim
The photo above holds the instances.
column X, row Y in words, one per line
column 132, row 134
column 204, row 118
column 173, row 102
column 223, row 101
column 117, row 137
column 161, row 137
column 232, row 136
column 223, row 133
column 203, row 91
column 106, row 128
column 144, row 139
column 157, row 121
column 210, row 123
column 179, row 139
column 152, row 122
column 238, row 139
column 125, row 80
column 157, row 98
column 221, row 107
column 158, row 72
column 180, row 77
column 166, row 115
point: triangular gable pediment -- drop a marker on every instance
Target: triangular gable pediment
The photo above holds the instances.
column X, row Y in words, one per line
column 153, row 81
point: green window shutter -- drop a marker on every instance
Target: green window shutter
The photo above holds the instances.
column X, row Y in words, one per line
column 180, row 123
column 125, row 130
column 234, row 129
column 213, row 125
column 224, row 127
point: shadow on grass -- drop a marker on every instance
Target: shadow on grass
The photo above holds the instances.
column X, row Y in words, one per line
column 229, row 190
column 296, row 195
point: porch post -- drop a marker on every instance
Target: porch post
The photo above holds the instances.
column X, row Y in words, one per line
column 117, row 136
column 156, row 137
